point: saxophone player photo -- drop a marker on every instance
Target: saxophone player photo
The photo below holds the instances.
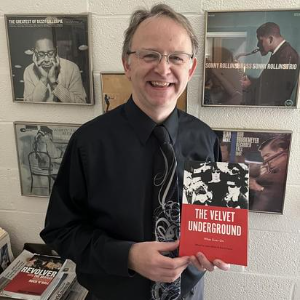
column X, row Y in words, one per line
column 252, row 64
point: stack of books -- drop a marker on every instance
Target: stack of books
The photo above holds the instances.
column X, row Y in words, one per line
column 40, row 277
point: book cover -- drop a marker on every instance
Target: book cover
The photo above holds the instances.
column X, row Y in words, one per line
column 214, row 216
column 6, row 255
column 34, row 278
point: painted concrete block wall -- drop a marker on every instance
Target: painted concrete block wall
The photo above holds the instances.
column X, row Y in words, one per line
column 274, row 240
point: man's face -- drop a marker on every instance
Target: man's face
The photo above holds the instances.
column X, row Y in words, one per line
column 199, row 186
column 45, row 53
column 267, row 153
column 264, row 44
column 159, row 85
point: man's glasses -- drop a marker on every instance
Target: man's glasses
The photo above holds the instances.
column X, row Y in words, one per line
column 150, row 56
column 42, row 54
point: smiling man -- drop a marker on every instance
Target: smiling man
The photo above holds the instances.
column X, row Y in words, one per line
column 100, row 211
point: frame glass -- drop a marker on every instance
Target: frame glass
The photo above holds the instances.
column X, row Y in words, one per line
column 116, row 90
column 267, row 154
column 50, row 59
column 40, row 149
column 251, row 58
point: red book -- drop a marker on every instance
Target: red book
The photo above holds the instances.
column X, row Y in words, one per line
column 214, row 215
column 34, row 278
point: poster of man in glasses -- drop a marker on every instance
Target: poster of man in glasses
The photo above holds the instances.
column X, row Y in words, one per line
column 267, row 154
column 49, row 58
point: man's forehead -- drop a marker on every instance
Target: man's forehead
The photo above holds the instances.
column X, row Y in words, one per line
column 44, row 43
column 159, row 26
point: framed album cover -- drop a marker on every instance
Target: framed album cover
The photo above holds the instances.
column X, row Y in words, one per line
column 50, row 59
column 252, row 58
column 116, row 90
column 40, row 148
column 267, row 154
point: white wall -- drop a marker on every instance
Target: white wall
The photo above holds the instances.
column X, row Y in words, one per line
column 274, row 255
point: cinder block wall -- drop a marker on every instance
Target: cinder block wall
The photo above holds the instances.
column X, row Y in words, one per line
column 274, row 256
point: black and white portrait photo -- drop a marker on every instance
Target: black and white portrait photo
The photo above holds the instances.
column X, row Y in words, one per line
column 49, row 59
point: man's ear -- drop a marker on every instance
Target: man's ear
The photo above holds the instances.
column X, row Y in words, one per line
column 127, row 68
column 193, row 67
column 271, row 39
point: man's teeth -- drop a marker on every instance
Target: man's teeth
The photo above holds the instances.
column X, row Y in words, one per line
column 159, row 83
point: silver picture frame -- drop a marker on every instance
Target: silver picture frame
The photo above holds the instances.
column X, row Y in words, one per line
column 50, row 58
column 251, row 58
column 267, row 154
column 40, row 149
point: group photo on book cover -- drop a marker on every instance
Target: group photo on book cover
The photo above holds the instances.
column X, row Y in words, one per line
column 49, row 58
column 252, row 58
column 267, row 155
column 214, row 217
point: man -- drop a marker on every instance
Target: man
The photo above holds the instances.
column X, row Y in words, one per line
column 267, row 190
column 51, row 78
column 100, row 211
column 277, row 82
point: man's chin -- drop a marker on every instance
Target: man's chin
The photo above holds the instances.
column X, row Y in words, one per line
column 263, row 53
column 46, row 68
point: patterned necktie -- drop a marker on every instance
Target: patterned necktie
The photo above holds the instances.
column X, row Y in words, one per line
column 166, row 208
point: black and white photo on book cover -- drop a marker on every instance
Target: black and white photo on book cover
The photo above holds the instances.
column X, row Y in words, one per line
column 50, row 58
column 216, row 184
column 252, row 58
column 267, row 154
column 40, row 149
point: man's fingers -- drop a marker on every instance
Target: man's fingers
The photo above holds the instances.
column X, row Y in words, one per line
column 204, row 262
column 221, row 265
column 173, row 263
column 197, row 264
column 167, row 246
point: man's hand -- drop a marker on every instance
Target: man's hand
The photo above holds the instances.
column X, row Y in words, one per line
column 52, row 75
column 147, row 259
column 202, row 263
column 253, row 185
column 245, row 82
column 43, row 73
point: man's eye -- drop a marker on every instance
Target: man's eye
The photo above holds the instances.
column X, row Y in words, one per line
column 150, row 56
column 176, row 58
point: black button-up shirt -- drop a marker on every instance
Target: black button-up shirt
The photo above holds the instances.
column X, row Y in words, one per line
column 101, row 202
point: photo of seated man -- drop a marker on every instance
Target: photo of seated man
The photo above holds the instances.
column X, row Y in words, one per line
column 51, row 78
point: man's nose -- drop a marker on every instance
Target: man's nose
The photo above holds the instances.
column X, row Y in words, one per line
column 163, row 66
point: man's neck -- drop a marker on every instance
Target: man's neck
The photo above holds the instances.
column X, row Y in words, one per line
column 157, row 114
column 278, row 45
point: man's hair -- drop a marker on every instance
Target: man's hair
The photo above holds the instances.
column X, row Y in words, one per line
column 275, row 144
column 268, row 29
column 158, row 10
column 44, row 34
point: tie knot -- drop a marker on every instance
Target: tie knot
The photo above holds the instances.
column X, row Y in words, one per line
column 161, row 134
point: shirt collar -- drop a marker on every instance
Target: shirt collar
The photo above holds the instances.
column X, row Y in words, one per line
column 171, row 124
column 143, row 125
column 278, row 47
